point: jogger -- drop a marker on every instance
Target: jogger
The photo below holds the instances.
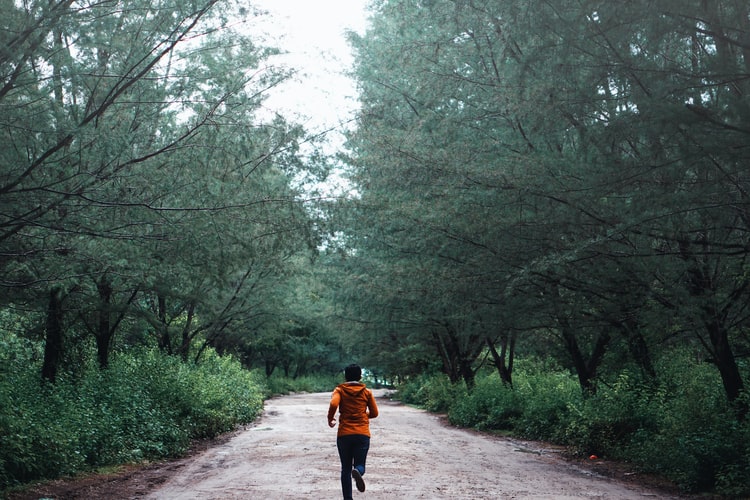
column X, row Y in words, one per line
column 356, row 406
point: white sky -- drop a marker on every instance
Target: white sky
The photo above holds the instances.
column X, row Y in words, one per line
column 313, row 34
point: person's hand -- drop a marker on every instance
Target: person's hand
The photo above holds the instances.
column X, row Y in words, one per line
column 332, row 422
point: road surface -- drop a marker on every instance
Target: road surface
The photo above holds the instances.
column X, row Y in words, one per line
column 290, row 453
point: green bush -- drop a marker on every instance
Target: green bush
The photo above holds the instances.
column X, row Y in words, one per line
column 693, row 436
column 546, row 397
column 277, row 384
column 679, row 426
column 223, row 396
column 605, row 423
column 491, row 405
column 431, row 392
column 145, row 405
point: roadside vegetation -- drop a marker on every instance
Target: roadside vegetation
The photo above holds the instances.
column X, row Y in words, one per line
column 282, row 385
column 564, row 182
column 145, row 406
column 676, row 427
column 155, row 238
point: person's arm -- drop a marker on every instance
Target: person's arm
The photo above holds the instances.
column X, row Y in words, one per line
column 372, row 406
column 335, row 400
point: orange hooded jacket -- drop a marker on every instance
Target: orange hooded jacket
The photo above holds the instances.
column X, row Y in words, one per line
column 356, row 406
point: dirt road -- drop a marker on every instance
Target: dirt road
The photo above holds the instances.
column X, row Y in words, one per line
column 291, row 454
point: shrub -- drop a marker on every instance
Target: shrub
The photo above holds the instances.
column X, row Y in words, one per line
column 546, row 397
column 223, row 395
column 695, row 438
column 432, row 392
column 604, row 423
column 145, row 405
column 491, row 405
column 679, row 426
column 277, row 384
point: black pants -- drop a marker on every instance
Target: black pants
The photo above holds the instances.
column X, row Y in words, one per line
column 353, row 453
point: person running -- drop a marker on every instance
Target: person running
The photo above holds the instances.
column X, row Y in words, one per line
column 356, row 406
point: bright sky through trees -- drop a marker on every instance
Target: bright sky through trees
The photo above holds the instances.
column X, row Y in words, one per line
column 313, row 35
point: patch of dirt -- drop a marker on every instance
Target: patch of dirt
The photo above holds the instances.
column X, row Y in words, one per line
column 291, row 453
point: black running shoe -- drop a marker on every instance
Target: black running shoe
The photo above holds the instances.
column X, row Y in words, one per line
column 358, row 479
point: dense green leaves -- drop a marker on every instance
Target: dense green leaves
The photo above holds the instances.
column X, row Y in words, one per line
column 681, row 428
column 143, row 191
column 572, row 171
column 146, row 199
column 145, row 406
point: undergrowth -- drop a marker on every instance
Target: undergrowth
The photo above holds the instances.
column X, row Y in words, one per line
column 679, row 426
column 145, row 405
column 278, row 384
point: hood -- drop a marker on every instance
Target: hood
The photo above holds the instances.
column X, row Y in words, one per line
column 352, row 388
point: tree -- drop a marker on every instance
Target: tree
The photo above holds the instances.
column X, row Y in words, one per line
column 136, row 171
column 583, row 159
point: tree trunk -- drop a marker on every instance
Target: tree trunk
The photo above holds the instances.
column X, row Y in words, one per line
column 457, row 362
column 726, row 364
column 104, row 329
column 468, row 374
column 448, row 357
column 586, row 370
column 54, row 336
column 507, row 349
column 185, row 346
column 702, row 285
column 165, row 343
column 637, row 346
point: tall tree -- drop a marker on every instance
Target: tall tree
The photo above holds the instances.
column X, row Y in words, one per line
column 135, row 165
column 583, row 158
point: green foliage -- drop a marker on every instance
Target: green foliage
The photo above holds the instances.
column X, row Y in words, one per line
column 536, row 408
column 604, row 423
column 145, row 406
column 694, row 436
column 680, row 427
column 431, row 392
column 547, row 397
column 212, row 396
column 490, row 406
column 185, row 212
column 277, row 384
column 525, row 154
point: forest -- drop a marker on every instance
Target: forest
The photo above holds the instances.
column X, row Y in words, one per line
column 546, row 231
